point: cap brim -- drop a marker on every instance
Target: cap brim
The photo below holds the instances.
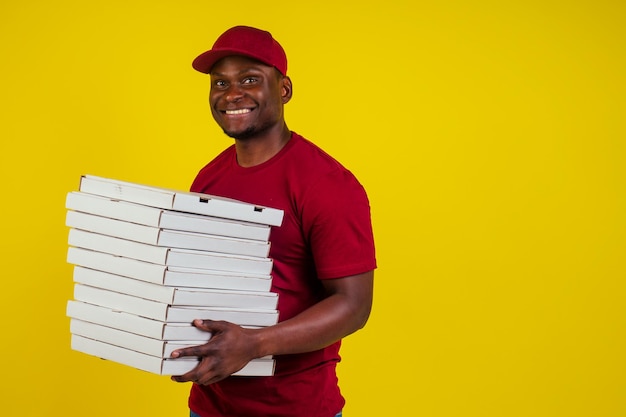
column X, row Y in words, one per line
column 205, row 61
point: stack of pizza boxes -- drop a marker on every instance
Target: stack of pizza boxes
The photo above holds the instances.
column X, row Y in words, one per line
column 148, row 261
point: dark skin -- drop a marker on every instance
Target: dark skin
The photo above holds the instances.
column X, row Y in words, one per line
column 247, row 100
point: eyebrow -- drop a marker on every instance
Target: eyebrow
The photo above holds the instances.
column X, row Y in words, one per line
column 242, row 71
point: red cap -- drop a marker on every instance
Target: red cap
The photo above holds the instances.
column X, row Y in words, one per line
column 247, row 41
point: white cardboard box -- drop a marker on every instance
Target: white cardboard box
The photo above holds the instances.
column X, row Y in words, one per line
column 127, row 340
column 168, row 275
column 189, row 258
column 157, row 365
column 172, row 314
column 166, row 237
column 165, row 219
column 133, row 323
column 180, row 200
column 181, row 296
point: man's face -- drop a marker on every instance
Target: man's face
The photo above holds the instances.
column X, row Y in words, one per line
column 247, row 97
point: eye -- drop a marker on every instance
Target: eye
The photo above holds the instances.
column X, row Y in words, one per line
column 219, row 83
column 249, row 80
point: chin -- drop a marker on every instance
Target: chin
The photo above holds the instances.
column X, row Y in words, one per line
column 247, row 133
column 243, row 135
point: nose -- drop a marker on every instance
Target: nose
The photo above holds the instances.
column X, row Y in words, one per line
column 233, row 93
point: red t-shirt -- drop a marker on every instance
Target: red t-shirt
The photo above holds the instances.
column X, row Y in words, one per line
column 326, row 233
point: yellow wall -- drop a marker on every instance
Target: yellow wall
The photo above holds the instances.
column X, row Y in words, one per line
column 490, row 136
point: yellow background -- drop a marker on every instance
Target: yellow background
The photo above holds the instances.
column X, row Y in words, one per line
column 490, row 136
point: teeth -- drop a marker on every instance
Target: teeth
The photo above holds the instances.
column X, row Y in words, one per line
column 240, row 111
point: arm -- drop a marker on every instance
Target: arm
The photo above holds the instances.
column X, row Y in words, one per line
column 345, row 309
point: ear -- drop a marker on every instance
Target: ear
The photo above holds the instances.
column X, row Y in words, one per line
column 286, row 89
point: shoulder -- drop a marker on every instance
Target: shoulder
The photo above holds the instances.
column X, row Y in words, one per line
column 313, row 156
column 326, row 183
column 314, row 167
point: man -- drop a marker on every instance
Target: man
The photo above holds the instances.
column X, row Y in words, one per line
column 323, row 253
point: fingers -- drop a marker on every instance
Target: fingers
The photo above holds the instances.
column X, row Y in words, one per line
column 226, row 352
column 210, row 325
column 188, row 377
column 203, row 374
column 189, row 351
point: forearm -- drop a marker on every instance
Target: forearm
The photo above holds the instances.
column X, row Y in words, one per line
column 345, row 310
column 340, row 314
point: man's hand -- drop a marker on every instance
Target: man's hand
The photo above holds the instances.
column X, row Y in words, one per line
column 230, row 348
column 345, row 309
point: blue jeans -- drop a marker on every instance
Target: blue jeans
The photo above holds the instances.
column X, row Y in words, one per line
column 192, row 414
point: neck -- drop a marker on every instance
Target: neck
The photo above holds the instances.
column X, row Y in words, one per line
column 256, row 150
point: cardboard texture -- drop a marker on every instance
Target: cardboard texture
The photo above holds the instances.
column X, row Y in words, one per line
column 135, row 324
column 157, row 365
column 180, row 200
column 127, row 340
column 148, row 261
column 165, row 237
column 167, row 275
column 189, row 258
column 174, row 295
column 132, row 341
column 165, row 219
column 172, row 314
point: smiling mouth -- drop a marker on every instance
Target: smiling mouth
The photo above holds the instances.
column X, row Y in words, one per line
column 238, row 111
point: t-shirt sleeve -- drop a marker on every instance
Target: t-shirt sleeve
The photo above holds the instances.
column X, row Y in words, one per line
column 337, row 220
